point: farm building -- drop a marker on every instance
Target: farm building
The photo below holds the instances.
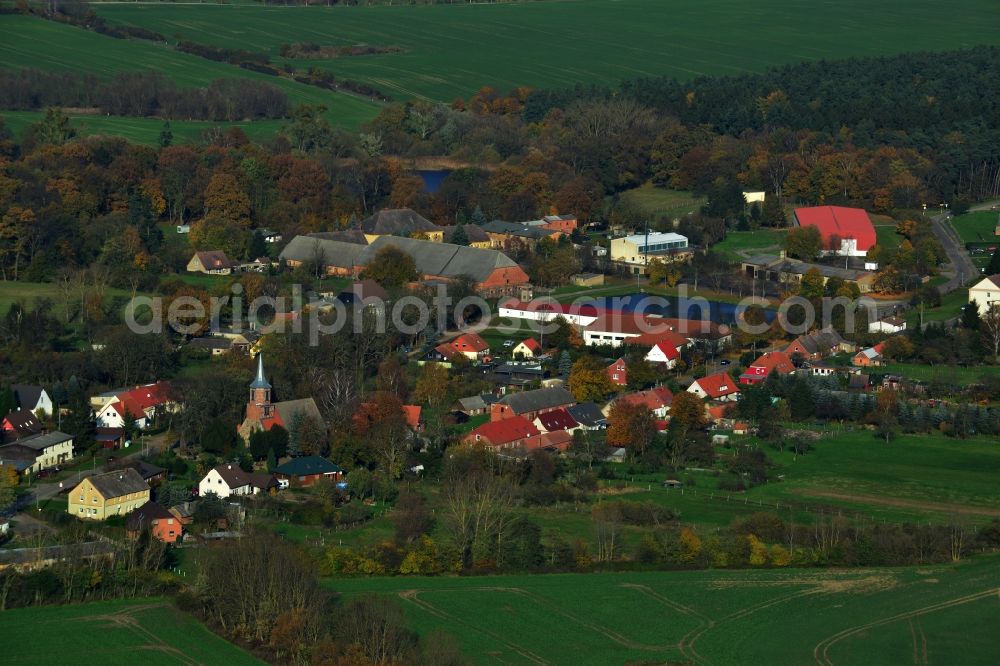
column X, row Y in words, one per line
column 402, row 222
column 308, row 470
column 778, row 268
column 985, row 293
column 40, row 451
column 634, row 251
column 845, row 231
column 530, row 404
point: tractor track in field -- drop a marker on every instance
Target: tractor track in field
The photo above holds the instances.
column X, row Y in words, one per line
column 412, row 596
column 821, row 653
column 704, row 622
column 125, row 619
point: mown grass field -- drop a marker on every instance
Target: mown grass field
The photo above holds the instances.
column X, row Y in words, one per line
column 661, row 202
column 941, row 614
column 148, row 631
column 34, row 43
column 977, row 227
column 452, row 51
column 736, row 244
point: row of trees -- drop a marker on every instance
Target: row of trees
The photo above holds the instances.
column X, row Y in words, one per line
column 142, row 94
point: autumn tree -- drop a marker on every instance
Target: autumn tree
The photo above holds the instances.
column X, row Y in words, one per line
column 990, row 327
column 803, row 242
column 589, row 381
column 391, row 267
column 432, row 385
column 630, row 426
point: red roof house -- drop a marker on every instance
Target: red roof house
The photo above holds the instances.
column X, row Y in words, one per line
column 719, row 386
column 558, row 419
column 768, row 362
column 412, row 414
column 506, row 433
column 657, row 399
column 470, row 345
column 141, row 403
column 845, row 231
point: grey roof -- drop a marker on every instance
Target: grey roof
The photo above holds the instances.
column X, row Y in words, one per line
column 531, row 401
column 23, row 422
column 307, row 465
column 355, row 236
column 27, row 395
column 518, row 229
column 260, row 381
column 73, row 551
column 118, row 483
column 332, row 252
column 472, row 402
column 775, row 263
column 288, row 408
column 396, row 221
column 822, row 340
column 473, row 232
column 587, row 414
column 212, row 343
column 145, row 515
column 434, row 259
column 44, row 441
column 146, row 470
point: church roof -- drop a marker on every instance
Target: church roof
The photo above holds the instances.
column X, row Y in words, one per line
column 260, row 382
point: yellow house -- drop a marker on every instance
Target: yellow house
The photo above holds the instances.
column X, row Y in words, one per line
column 111, row 494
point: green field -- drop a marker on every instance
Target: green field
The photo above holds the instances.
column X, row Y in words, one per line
column 738, row 244
column 35, row 43
column 150, row 631
column 452, row 51
column 948, row 373
column 951, row 307
column 977, row 227
column 939, row 614
column 27, row 292
column 661, row 202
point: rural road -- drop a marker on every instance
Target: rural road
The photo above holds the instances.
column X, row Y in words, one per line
column 964, row 269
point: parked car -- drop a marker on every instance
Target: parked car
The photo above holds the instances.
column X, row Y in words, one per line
column 508, row 343
column 724, row 361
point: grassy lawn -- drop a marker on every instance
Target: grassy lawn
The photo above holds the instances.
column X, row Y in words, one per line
column 951, row 306
column 886, row 237
column 36, row 43
column 976, row 227
column 738, row 243
column 452, row 51
column 659, row 201
column 720, row 617
column 949, row 373
column 117, row 632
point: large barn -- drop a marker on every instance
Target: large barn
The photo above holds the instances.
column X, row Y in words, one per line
column 494, row 273
column 845, row 231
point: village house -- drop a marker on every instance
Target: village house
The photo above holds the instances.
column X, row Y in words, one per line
column 516, row 375
column 554, row 441
column 142, row 404
column 657, row 400
column 818, row 344
column 110, row 438
column 475, row 234
column 529, row 404
column 845, row 231
column 114, row 493
column 527, row 349
column 19, row 424
column 719, row 386
column 212, row 262
column 270, row 236
column 872, row 356
column 32, row 398
column 564, row 223
column 162, row 524
column 766, row 363
column 507, row 433
column 262, row 414
column 307, row 471
column 587, row 279
column 503, row 234
column 588, row 415
column 559, row 419
column 212, row 345
column 473, row 405
column 228, row 480
column 39, row 451
column 469, row 345
column 985, row 293
column 633, row 252
column 618, row 372
column 892, row 324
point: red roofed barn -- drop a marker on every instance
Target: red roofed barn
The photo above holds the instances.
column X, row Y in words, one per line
column 845, row 231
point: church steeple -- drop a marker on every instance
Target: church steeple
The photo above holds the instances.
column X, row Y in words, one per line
column 259, row 406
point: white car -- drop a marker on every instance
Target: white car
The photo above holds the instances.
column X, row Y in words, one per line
column 508, row 343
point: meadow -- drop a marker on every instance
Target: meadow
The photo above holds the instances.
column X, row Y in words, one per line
column 662, row 202
column 115, row 632
column 452, row 51
column 926, row 615
column 979, row 227
column 35, row 43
